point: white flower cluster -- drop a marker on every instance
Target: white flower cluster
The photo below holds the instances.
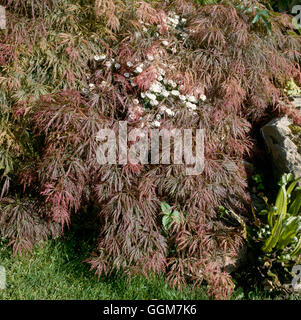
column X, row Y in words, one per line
column 100, row 58
column 136, row 111
column 145, row 25
column 174, row 20
column 139, row 68
column 108, row 63
column 96, row 58
column 163, row 92
column 163, row 88
column 178, row 24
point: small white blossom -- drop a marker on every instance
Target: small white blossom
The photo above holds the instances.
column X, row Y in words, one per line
column 151, row 96
column 154, row 103
column 162, row 71
column 156, row 123
column 144, row 29
column 172, row 84
column 182, row 97
column 170, row 112
column 172, row 20
column 136, row 101
column 191, row 106
column 129, row 64
column 85, row 90
column 150, row 57
column 91, row 86
column 203, row 97
column 174, row 50
column 137, row 35
column 158, row 117
column 100, row 58
column 156, row 87
column 142, row 95
column 165, row 43
column 175, row 93
column 117, row 65
column 160, row 78
column 183, row 20
column 138, row 70
column 163, row 108
column 193, row 99
column 165, row 93
column 127, row 75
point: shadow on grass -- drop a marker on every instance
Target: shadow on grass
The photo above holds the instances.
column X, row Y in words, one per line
column 55, row 270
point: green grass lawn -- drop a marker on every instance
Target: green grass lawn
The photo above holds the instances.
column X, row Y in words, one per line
column 55, row 271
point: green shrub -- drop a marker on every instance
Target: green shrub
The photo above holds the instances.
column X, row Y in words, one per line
column 278, row 230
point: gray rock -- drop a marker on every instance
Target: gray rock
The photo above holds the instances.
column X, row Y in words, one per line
column 282, row 146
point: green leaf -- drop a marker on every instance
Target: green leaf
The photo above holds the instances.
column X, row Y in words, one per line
column 264, row 13
column 271, row 213
column 292, row 186
column 256, row 18
column 267, row 24
column 281, row 204
column 166, row 221
column 166, row 209
column 297, row 249
column 176, row 216
column 290, row 229
column 296, row 205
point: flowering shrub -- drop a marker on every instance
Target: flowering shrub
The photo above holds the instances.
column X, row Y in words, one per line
column 69, row 70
